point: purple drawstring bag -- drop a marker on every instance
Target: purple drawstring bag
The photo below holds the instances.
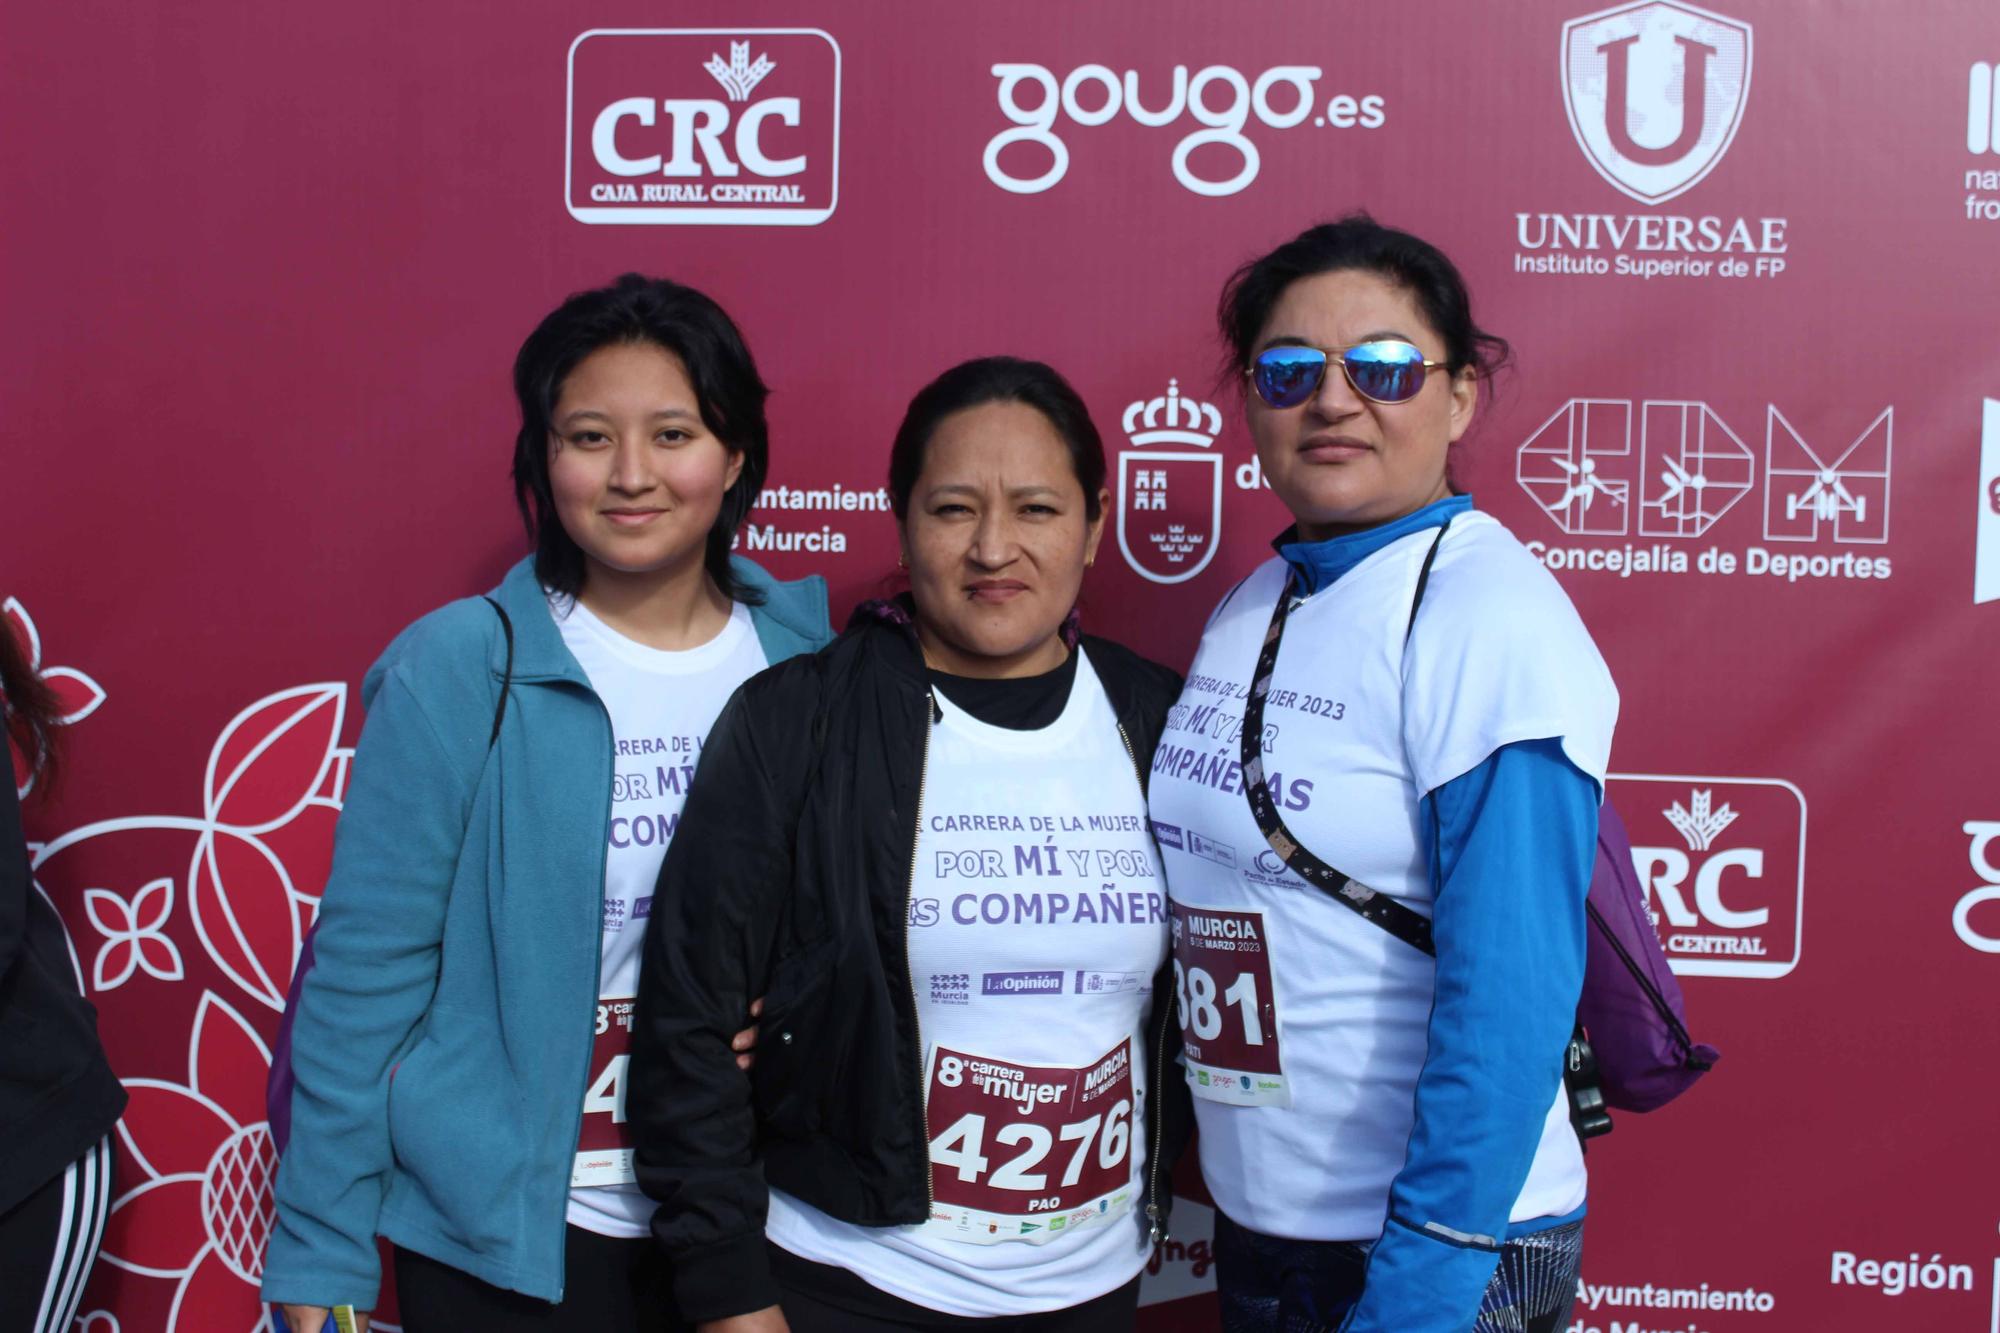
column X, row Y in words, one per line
column 278, row 1089
column 1632, row 1008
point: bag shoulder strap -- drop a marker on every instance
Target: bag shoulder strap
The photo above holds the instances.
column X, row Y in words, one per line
column 506, row 681
column 1404, row 922
column 1423, row 582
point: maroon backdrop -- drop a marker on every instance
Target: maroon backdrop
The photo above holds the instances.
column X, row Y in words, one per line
column 267, row 266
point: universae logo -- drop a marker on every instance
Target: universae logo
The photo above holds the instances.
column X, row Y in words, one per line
column 1655, row 93
column 703, row 126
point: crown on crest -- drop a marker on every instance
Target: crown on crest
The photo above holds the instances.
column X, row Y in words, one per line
column 1172, row 419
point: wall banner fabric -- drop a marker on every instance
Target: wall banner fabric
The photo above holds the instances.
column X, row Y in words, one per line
column 268, row 268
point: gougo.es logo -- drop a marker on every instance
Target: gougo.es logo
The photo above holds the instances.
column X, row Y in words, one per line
column 1983, row 833
column 1220, row 100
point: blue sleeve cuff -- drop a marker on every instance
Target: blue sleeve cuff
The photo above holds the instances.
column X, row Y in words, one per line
column 1511, row 854
column 1421, row 1282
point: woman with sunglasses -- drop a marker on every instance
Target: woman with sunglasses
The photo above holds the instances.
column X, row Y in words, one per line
column 1377, row 806
column 926, row 846
column 459, row 1041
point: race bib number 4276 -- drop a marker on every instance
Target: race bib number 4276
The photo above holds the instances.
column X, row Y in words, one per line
column 1026, row 1152
column 1226, row 1005
column 604, row 1143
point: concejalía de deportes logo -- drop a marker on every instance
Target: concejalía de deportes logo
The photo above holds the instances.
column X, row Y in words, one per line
column 1633, row 485
column 703, row 126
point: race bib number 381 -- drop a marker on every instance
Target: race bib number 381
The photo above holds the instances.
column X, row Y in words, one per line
column 1226, row 1005
column 1028, row 1153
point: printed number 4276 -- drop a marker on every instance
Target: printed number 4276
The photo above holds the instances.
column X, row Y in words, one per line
column 962, row 1146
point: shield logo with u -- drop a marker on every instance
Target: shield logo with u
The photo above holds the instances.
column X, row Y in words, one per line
column 1655, row 92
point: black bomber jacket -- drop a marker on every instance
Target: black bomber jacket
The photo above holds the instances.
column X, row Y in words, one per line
column 57, row 1095
column 793, row 883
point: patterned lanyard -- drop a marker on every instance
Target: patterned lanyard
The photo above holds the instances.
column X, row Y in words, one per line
column 1406, row 924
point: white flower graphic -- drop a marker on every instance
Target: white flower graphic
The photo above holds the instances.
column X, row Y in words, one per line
column 134, row 933
column 80, row 694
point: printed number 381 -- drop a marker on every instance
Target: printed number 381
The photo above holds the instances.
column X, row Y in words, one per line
column 1195, row 1002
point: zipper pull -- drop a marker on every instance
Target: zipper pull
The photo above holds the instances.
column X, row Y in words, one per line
column 1154, row 1233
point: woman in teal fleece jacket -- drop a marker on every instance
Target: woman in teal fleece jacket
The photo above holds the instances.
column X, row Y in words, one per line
column 443, row 1043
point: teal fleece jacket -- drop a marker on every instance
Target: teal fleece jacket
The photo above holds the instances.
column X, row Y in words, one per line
column 442, row 1037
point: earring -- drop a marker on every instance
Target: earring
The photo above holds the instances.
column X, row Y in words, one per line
column 902, row 561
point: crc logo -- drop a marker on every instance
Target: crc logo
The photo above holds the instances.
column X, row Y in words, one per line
column 1281, row 97
column 703, row 126
column 1983, row 833
column 1655, row 92
column 1722, row 864
column 1170, row 500
column 1986, row 557
column 1693, row 468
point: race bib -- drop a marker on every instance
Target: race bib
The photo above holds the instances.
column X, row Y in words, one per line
column 604, row 1144
column 1027, row 1153
column 1227, row 1007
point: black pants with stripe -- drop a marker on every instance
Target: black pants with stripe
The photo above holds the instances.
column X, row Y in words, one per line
column 48, row 1242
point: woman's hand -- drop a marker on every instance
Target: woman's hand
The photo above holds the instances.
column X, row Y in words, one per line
column 744, row 1043
column 768, row 1320
column 312, row 1318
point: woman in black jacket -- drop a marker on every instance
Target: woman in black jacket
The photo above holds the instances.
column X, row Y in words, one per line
column 58, row 1098
column 926, row 847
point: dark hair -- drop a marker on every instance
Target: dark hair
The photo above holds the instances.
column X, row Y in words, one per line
column 31, row 710
column 996, row 379
column 1358, row 241
column 727, row 388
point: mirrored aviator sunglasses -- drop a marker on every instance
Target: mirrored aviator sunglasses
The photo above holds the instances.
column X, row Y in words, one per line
column 1385, row 371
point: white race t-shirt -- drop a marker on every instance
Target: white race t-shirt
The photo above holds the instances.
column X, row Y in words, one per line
column 1038, row 918
column 1306, row 1023
column 662, row 705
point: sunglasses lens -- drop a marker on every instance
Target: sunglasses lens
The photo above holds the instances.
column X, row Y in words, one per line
column 1388, row 372
column 1287, row 376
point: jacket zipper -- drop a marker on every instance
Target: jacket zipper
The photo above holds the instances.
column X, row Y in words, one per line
column 1156, row 1227
column 909, row 975
column 596, row 980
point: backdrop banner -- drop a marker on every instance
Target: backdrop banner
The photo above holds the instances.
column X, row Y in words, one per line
column 267, row 268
